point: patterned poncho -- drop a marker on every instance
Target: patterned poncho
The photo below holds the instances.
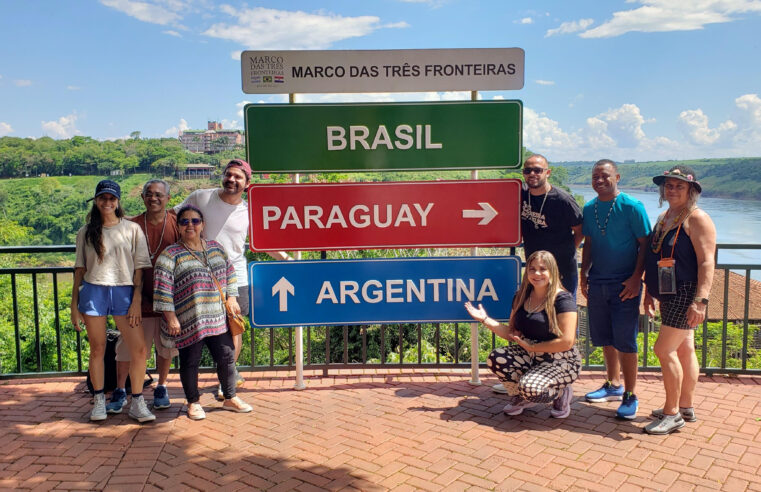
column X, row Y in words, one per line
column 183, row 284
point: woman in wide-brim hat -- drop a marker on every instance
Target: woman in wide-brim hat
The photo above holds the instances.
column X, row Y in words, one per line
column 679, row 269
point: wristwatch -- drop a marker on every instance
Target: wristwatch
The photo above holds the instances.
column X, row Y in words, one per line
column 701, row 300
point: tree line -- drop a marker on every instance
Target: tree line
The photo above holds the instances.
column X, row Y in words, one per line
column 23, row 157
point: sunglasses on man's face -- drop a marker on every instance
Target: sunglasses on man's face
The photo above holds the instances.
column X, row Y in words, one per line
column 194, row 221
column 533, row 170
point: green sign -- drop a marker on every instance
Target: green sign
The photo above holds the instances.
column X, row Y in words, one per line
column 384, row 137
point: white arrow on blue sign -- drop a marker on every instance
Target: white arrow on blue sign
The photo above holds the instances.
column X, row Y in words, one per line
column 378, row 291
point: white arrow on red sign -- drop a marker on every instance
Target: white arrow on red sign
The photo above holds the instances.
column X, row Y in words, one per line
column 486, row 214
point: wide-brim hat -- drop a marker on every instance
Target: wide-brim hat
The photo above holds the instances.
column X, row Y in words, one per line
column 107, row 186
column 678, row 174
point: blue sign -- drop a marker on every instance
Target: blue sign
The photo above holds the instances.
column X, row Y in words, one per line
column 378, row 291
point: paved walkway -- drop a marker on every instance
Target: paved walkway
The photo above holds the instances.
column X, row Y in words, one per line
column 377, row 430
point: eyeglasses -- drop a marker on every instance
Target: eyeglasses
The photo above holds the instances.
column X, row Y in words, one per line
column 194, row 221
column 533, row 170
column 155, row 195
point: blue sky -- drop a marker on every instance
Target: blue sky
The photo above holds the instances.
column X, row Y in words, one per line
column 636, row 79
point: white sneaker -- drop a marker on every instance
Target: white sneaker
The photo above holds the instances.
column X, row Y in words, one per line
column 99, row 407
column 138, row 410
column 499, row 388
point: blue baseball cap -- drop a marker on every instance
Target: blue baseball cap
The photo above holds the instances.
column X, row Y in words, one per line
column 107, row 186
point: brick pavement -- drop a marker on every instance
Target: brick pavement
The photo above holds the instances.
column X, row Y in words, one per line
column 377, row 430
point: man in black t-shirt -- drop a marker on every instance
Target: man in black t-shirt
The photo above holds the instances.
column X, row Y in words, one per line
column 550, row 220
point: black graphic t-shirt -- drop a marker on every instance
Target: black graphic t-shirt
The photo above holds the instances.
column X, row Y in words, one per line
column 550, row 230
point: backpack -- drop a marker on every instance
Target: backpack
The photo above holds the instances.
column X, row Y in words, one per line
column 109, row 367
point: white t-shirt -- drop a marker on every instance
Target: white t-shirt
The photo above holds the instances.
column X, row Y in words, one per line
column 124, row 251
column 227, row 224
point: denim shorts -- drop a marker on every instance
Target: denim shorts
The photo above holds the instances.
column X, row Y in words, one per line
column 613, row 322
column 102, row 300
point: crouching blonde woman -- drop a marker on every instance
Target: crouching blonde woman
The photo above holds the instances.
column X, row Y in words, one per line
column 544, row 363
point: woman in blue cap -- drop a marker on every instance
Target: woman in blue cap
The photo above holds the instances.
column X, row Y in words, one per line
column 108, row 271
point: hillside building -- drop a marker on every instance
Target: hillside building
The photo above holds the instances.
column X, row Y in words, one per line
column 212, row 140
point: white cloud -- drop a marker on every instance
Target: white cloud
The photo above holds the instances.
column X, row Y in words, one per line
column 5, row 129
column 175, row 130
column 748, row 136
column 542, row 134
column 240, row 107
column 624, row 125
column 751, row 106
column 22, row 82
column 72, row 88
column 669, row 15
column 526, row 20
column 570, row 27
column 262, row 28
column 545, row 82
column 147, row 12
column 172, row 33
column 230, row 124
column 64, row 127
column 694, row 125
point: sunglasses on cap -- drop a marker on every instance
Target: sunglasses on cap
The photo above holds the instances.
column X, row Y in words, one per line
column 194, row 221
column 533, row 170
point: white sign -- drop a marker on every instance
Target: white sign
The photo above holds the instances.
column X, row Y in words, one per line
column 281, row 72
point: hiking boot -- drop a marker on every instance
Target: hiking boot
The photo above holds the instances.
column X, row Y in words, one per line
column 99, row 407
column 665, row 424
column 561, row 406
column 161, row 398
column 138, row 410
column 235, row 404
column 195, row 411
column 628, row 408
column 607, row 392
column 499, row 388
column 516, row 405
column 688, row 413
column 118, row 400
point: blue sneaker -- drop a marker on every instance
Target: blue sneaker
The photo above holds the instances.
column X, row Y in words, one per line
column 118, row 400
column 161, row 398
column 628, row 408
column 608, row 392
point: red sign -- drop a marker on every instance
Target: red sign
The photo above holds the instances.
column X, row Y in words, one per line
column 422, row 214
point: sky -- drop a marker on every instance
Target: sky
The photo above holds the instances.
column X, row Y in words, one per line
column 622, row 79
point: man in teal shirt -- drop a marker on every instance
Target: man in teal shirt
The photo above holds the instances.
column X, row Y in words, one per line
column 615, row 229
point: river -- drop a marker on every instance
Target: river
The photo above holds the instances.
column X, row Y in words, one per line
column 737, row 222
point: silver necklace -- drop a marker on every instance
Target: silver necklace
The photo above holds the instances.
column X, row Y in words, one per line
column 536, row 226
column 163, row 228
column 604, row 227
column 535, row 309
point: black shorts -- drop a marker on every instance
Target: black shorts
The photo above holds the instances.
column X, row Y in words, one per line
column 674, row 307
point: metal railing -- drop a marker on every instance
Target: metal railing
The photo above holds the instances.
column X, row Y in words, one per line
column 45, row 343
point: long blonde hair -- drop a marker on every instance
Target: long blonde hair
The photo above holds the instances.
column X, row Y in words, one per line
column 526, row 288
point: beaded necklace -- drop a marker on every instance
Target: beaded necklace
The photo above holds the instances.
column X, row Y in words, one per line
column 661, row 230
column 604, row 227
